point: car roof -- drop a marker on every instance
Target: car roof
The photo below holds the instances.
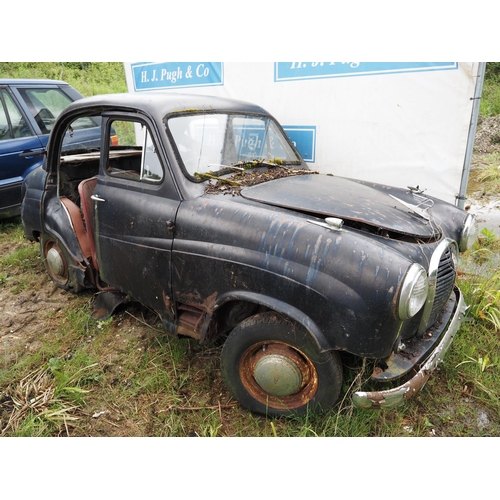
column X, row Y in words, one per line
column 161, row 103
column 30, row 81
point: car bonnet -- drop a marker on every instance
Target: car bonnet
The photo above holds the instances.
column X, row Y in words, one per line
column 331, row 196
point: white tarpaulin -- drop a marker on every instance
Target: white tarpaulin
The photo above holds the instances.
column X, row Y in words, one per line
column 403, row 124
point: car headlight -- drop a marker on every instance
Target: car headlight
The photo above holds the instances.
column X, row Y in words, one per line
column 414, row 290
column 469, row 233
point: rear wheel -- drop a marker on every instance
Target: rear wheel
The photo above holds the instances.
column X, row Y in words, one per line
column 57, row 263
column 271, row 365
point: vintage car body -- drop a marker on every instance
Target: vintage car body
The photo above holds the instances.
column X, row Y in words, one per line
column 223, row 229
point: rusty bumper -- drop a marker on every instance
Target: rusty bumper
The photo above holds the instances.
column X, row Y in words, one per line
column 394, row 397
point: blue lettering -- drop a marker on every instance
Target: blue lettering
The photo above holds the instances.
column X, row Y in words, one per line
column 150, row 76
column 308, row 70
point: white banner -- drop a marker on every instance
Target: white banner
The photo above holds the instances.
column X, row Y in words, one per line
column 402, row 124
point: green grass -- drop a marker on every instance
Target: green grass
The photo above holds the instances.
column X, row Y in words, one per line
column 91, row 78
column 489, row 177
column 484, row 180
column 480, row 280
column 490, row 100
column 20, row 267
column 145, row 383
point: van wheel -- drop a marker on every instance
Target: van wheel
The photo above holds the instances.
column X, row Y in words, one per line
column 271, row 365
column 57, row 263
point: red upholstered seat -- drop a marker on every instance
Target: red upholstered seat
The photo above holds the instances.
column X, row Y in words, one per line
column 76, row 219
column 86, row 190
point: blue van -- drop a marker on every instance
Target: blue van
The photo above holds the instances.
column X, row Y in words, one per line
column 28, row 109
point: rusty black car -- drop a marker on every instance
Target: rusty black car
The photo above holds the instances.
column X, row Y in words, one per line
column 205, row 213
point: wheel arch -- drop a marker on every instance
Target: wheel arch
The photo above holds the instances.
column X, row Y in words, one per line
column 265, row 302
column 57, row 223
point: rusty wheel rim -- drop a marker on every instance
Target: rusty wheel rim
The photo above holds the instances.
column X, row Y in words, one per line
column 278, row 375
column 56, row 262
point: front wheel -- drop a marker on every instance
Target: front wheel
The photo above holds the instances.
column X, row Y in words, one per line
column 271, row 365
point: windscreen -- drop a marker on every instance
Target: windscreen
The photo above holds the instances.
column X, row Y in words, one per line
column 213, row 142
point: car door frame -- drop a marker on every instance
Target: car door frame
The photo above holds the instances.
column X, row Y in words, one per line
column 134, row 226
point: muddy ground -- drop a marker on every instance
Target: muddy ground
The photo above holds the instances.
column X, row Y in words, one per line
column 485, row 204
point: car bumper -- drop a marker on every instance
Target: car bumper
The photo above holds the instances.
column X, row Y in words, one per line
column 391, row 398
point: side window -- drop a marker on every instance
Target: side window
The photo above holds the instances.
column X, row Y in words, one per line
column 151, row 167
column 18, row 126
column 133, row 154
column 4, row 124
column 45, row 105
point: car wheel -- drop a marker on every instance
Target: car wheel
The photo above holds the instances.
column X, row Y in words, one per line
column 57, row 263
column 271, row 365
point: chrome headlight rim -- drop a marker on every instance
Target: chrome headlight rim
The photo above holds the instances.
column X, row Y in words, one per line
column 414, row 292
column 469, row 234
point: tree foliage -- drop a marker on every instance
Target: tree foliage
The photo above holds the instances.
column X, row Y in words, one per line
column 89, row 78
column 492, row 71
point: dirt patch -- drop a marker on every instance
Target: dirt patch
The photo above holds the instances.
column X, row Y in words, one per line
column 487, row 138
column 120, row 402
column 26, row 316
column 143, row 379
column 483, row 198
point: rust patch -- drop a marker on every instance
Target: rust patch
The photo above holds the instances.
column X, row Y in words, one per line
column 167, row 300
column 193, row 300
column 394, row 397
column 191, row 321
column 77, row 222
column 302, row 396
column 194, row 316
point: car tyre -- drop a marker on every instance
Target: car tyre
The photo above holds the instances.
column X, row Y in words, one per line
column 272, row 365
column 57, row 262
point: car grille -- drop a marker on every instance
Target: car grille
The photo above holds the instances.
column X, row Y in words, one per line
column 442, row 274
